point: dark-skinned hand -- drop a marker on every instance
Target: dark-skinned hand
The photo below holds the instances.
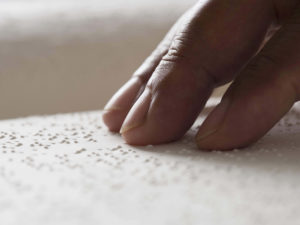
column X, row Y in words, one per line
column 255, row 44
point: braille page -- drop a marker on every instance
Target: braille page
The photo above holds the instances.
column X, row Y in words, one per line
column 68, row 169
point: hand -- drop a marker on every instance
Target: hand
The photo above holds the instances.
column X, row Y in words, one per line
column 253, row 43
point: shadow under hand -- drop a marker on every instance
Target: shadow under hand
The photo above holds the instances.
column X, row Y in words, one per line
column 276, row 151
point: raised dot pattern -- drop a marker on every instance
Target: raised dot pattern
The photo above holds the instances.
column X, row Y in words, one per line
column 68, row 169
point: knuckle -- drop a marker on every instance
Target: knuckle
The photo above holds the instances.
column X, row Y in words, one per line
column 180, row 47
column 145, row 71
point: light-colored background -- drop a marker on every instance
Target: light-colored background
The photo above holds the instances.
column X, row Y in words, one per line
column 64, row 56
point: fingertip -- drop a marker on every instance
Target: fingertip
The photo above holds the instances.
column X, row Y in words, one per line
column 133, row 137
column 238, row 127
column 119, row 105
column 147, row 135
column 131, row 129
column 223, row 140
column 113, row 119
column 253, row 111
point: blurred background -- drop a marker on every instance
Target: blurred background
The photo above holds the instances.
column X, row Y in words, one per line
column 63, row 56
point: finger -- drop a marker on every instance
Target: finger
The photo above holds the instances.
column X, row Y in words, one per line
column 260, row 96
column 216, row 42
column 119, row 105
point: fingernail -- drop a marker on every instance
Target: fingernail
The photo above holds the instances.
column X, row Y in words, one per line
column 112, row 109
column 127, row 128
column 138, row 113
column 124, row 97
column 214, row 121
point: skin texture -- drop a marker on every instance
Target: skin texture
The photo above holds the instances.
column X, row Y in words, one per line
column 255, row 44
